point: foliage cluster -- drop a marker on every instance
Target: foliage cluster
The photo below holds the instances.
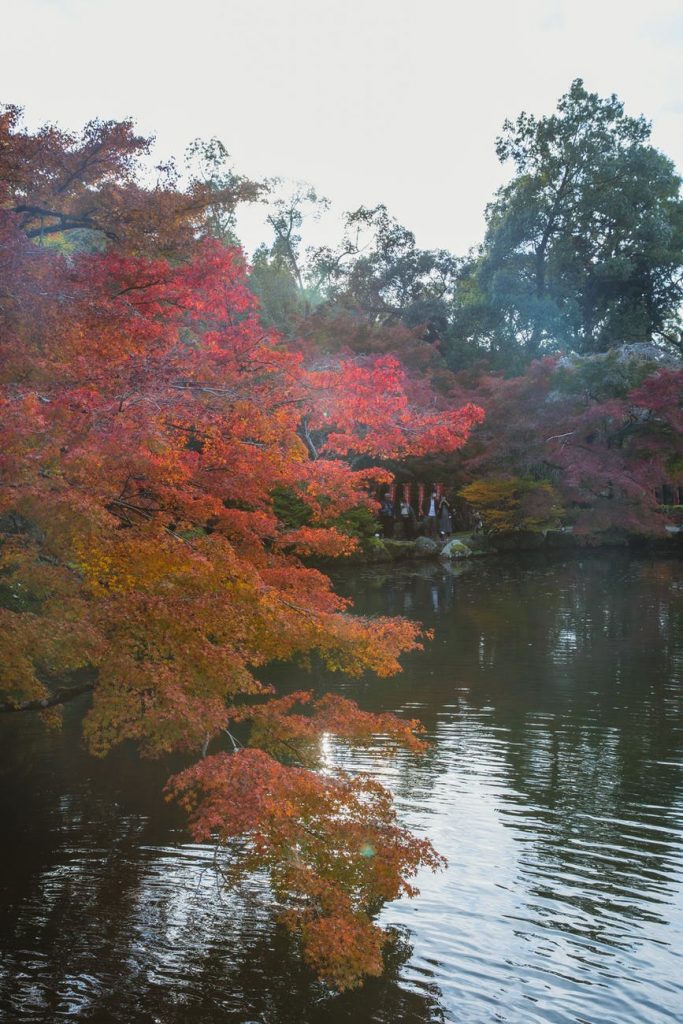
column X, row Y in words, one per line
column 166, row 464
column 359, row 522
column 597, row 437
column 514, row 503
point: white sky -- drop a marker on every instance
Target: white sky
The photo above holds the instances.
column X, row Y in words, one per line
column 369, row 100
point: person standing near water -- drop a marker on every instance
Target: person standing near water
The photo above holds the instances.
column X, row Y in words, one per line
column 432, row 511
column 386, row 515
column 408, row 521
column 445, row 522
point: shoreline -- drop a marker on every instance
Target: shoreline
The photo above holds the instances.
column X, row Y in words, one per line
column 383, row 550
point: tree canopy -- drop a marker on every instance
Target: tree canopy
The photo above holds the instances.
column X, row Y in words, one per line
column 583, row 246
column 583, row 441
column 148, row 422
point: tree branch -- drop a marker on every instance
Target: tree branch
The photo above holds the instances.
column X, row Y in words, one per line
column 305, row 436
column 67, row 693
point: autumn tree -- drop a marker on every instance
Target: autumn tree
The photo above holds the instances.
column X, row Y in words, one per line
column 589, row 440
column 148, row 422
column 95, row 183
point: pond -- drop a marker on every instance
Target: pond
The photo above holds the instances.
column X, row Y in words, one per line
column 552, row 693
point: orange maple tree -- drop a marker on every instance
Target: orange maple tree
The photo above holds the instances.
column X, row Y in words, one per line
column 147, row 419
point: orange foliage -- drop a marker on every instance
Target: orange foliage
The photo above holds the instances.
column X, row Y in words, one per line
column 146, row 420
column 332, row 845
column 58, row 181
column 514, row 503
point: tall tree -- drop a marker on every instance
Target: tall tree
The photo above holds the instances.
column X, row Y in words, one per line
column 280, row 272
column 584, row 247
column 208, row 167
column 379, row 270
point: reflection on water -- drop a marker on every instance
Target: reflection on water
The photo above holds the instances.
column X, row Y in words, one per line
column 552, row 694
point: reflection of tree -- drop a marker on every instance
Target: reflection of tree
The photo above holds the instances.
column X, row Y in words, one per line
column 105, row 918
column 573, row 671
column 556, row 686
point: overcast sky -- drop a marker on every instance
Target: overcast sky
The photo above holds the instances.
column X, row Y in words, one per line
column 394, row 101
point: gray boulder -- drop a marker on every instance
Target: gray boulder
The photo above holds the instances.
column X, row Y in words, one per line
column 425, row 547
column 455, row 549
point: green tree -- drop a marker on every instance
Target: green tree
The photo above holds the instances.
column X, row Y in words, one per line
column 281, row 302
column 281, row 274
column 207, row 165
column 584, row 246
column 379, row 270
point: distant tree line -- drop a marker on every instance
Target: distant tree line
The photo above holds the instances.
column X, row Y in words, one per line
column 564, row 325
column 583, row 251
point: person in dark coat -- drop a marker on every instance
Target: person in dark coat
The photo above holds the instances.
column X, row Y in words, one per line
column 445, row 522
column 386, row 515
column 408, row 520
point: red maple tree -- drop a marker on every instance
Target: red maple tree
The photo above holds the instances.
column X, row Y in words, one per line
column 146, row 421
column 592, row 440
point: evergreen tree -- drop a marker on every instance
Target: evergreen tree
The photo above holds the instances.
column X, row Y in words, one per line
column 584, row 246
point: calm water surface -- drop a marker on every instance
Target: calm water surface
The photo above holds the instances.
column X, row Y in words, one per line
column 553, row 694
